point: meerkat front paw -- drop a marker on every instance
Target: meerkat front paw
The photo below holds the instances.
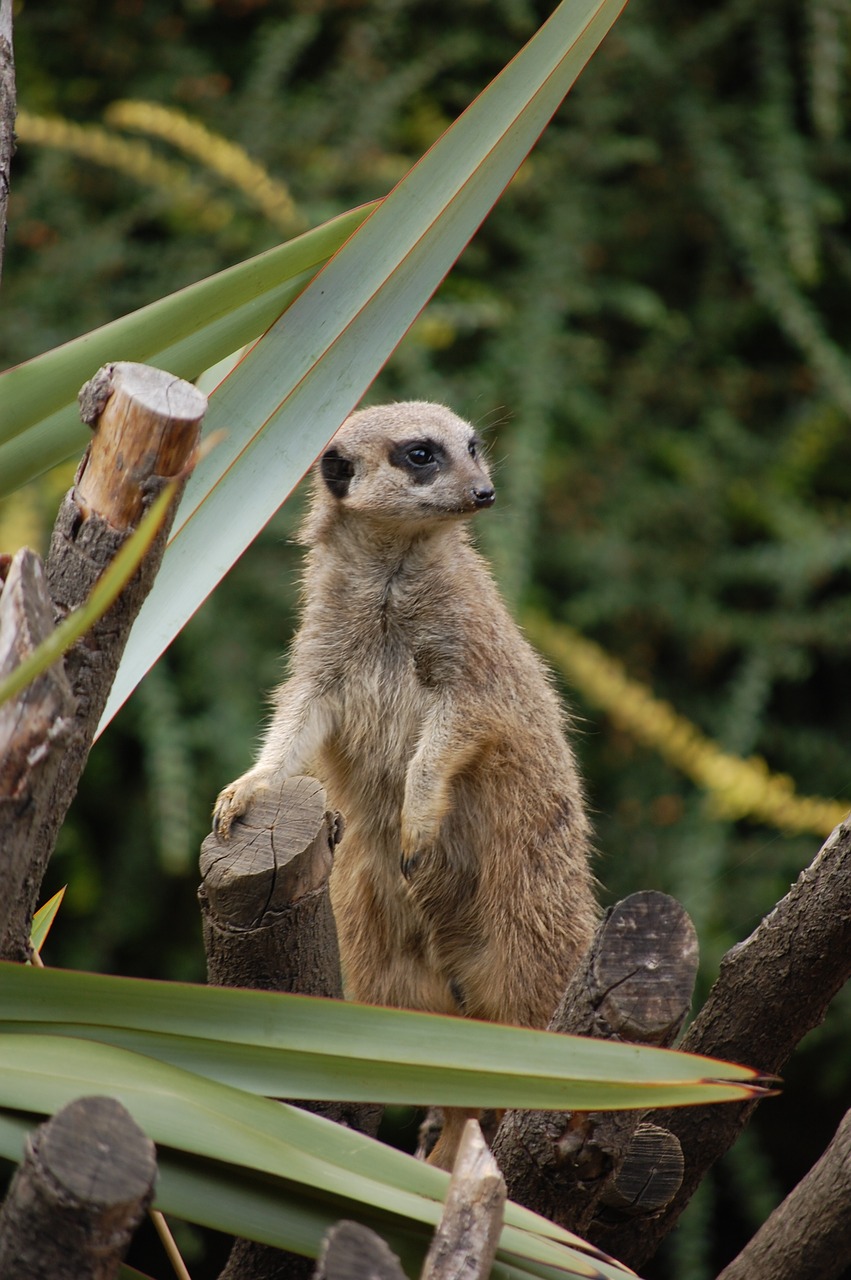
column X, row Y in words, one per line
column 408, row 863
column 418, row 838
column 233, row 801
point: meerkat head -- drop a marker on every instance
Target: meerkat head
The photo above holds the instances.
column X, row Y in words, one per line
column 412, row 464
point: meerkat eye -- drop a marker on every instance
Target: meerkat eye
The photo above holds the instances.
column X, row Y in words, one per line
column 420, row 455
column 473, row 448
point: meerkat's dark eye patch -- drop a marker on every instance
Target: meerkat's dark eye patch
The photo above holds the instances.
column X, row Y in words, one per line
column 422, row 459
column 337, row 471
column 474, row 445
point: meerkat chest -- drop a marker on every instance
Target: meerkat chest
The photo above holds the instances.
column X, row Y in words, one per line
column 391, row 657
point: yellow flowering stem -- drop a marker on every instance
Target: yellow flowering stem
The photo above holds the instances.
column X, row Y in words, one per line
column 134, row 159
column 738, row 788
column 226, row 159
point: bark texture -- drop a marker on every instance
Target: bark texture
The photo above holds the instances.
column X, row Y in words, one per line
column 354, row 1252
column 85, row 1182
column 635, row 984
column 146, row 429
column 808, row 1237
column 771, row 990
column 268, row 925
column 34, row 726
column 8, row 109
column 466, row 1239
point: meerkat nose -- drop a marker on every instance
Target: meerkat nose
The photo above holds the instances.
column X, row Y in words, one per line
column 484, row 497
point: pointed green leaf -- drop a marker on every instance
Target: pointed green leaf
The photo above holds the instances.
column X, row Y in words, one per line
column 291, row 392
column 43, row 919
column 299, row 1047
column 187, row 1113
column 104, row 593
column 184, row 333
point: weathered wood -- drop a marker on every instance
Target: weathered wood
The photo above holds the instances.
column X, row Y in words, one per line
column 635, row 984
column 8, row 106
column 771, row 990
column 648, row 1179
column 265, row 908
column 466, row 1239
column 267, row 924
column 147, row 424
column 637, row 980
column 808, row 1236
column 85, row 540
column 34, row 726
column 354, row 1252
column 86, row 1179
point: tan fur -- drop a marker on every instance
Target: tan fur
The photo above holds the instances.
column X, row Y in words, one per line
column 415, row 699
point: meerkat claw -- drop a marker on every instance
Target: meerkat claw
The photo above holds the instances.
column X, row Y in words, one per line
column 408, row 865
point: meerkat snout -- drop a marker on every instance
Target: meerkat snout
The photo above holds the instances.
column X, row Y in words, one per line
column 484, row 497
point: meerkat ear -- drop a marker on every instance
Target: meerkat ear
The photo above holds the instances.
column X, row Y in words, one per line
column 337, row 471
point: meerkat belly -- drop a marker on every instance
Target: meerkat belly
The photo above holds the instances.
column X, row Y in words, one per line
column 385, row 944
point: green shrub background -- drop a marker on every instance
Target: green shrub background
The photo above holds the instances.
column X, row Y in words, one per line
column 651, row 329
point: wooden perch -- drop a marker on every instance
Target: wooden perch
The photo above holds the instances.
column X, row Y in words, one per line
column 808, row 1237
column 146, row 428
column 265, row 908
column 635, row 984
column 771, row 990
column 34, row 727
column 354, row 1252
column 85, row 1183
column 466, row 1239
column 268, row 925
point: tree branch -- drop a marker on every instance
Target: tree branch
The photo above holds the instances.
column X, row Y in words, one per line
column 86, row 1179
column 147, row 425
column 8, row 109
column 34, row 726
column 771, row 990
column 467, row 1236
column 808, row 1236
column 634, row 984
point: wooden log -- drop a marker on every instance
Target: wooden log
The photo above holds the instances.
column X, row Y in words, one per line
column 8, row 105
column 86, row 1180
column 268, row 925
column 467, row 1236
column 771, row 990
column 354, row 1252
column 147, row 425
column 265, row 909
column 808, row 1236
column 646, row 1182
column 634, row 984
column 146, row 428
column 34, row 726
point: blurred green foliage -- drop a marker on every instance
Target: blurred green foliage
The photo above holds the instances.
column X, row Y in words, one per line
column 651, row 328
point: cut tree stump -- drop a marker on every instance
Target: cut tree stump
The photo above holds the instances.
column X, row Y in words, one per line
column 86, row 1180
column 635, row 983
column 771, row 989
column 268, row 925
column 354, row 1252
column 146, row 425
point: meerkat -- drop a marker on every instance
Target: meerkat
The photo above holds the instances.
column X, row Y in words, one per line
column 462, row 881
